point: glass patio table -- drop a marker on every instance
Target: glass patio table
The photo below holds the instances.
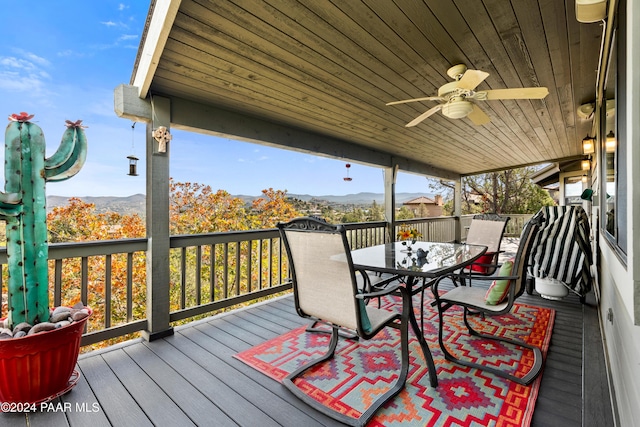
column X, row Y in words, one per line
column 428, row 260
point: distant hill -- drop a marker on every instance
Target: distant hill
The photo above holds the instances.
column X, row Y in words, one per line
column 360, row 198
column 136, row 204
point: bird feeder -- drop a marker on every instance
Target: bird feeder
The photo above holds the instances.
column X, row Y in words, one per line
column 347, row 178
column 133, row 165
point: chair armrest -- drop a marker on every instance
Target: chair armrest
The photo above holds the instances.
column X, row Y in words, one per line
column 492, row 278
column 379, row 293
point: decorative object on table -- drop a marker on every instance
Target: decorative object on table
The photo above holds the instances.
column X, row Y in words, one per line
column 408, row 237
column 464, row 395
column 37, row 364
column 560, row 260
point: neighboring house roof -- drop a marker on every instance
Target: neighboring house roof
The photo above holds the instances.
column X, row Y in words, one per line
column 420, row 201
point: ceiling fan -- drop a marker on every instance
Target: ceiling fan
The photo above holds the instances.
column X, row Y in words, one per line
column 455, row 96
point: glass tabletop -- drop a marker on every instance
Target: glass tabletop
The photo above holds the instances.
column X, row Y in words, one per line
column 428, row 259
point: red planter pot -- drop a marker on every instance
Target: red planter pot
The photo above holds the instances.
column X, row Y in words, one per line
column 37, row 367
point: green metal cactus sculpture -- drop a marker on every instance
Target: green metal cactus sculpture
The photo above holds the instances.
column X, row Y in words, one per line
column 22, row 206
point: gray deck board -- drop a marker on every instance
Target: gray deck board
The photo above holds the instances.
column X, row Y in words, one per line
column 201, row 410
column 192, row 378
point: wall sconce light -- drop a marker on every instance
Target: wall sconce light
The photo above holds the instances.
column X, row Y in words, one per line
column 610, row 142
column 133, row 165
column 584, row 178
column 585, row 164
column 588, row 146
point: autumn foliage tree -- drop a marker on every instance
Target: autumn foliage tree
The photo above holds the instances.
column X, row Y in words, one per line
column 231, row 266
column 116, row 284
column 78, row 222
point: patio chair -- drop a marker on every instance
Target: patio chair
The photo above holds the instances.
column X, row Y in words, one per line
column 326, row 290
column 486, row 230
column 496, row 301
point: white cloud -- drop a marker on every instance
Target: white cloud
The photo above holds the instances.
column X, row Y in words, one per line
column 26, row 75
column 122, row 6
column 128, row 37
column 109, row 24
column 37, row 59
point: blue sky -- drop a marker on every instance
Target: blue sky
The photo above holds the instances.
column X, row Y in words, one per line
column 62, row 60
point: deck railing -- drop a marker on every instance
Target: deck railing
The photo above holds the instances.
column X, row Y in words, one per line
column 209, row 272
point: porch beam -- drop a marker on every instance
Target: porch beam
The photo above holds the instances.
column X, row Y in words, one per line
column 210, row 120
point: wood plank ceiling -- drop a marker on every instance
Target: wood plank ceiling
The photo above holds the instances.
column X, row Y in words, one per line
column 328, row 67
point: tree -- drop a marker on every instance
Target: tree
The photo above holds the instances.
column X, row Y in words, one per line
column 405, row 213
column 274, row 207
column 505, row 192
column 194, row 209
column 78, row 221
column 376, row 212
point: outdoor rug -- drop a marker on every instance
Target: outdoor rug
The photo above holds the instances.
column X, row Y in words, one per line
column 362, row 370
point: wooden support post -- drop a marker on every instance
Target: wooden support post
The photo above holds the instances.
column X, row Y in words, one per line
column 390, row 174
column 157, row 219
column 457, row 207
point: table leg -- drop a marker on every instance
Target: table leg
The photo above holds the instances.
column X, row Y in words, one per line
column 433, row 378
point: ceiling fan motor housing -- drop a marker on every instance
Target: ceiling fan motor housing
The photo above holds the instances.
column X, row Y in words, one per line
column 457, row 109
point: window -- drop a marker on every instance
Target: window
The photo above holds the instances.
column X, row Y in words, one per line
column 613, row 137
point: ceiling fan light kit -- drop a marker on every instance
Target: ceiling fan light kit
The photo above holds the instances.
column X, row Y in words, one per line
column 457, row 109
column 455, row 97
column 588, row 11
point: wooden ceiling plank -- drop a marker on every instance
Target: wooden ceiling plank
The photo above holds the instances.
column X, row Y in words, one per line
column 313, row 80
column 428, row 25
column 461, row 38
column 299, row 58
column 536, row 39
column 193, row 90
column 405, row 138
column 502, row 75
column 513, row 41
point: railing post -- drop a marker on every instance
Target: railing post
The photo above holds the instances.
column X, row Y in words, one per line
column 157, row 218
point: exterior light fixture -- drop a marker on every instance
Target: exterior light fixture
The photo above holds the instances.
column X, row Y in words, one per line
column 584, row 178
column 610, row 142
column 585, row 164
column 588, row 146
column 133, row 165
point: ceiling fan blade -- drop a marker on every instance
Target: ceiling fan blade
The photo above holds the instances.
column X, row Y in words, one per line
column 427, row 98
column 472, row 78
column 424, row 115
column 518, row 93
column 478, row 117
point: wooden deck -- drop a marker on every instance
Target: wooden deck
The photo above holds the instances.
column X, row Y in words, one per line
column 191, row 378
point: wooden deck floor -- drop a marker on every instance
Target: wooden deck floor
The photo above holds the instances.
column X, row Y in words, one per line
column 191, row 378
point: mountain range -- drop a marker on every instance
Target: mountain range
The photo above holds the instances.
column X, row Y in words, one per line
column 136, row 203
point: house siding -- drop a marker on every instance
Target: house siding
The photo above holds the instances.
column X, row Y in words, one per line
column 620, row 289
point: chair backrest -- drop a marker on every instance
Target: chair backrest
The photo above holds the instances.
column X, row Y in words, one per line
column 521, row 259
column 487, row 232
column 324, row 280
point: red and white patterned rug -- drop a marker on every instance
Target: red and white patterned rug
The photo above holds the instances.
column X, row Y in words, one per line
column 362, row 370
